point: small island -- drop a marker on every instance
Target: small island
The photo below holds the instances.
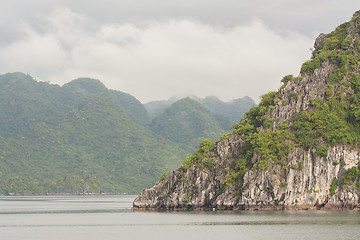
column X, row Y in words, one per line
column 298, row 149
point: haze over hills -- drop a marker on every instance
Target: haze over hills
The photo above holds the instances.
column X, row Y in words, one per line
column 232, row 110
column 187, row 122
column 83, row 137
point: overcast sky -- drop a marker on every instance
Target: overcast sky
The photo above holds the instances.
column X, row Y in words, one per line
column 156, row 49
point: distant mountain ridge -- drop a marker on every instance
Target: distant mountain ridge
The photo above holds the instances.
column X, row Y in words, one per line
column 187, row 122
column 76, row 139
column 84, row 138
column 232, row 110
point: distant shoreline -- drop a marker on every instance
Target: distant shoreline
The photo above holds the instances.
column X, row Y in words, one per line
column 61, row 194
column 252, row 209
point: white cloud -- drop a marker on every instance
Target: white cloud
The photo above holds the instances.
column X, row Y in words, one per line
column 158, row 59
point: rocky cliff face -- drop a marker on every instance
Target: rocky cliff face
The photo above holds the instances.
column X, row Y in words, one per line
column 269, row 162
column 292, row 188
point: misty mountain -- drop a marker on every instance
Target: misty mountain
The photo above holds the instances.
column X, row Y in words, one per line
column 155, row 108
column 233, row 110
column 82, row 87
column 132, row 106
column 187, row 122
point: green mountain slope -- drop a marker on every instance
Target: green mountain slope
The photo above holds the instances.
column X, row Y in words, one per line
column 25, row 102
column 74, row 139
column 155, row 108
column 132, row 106
column 233, row 110
column 187, row 122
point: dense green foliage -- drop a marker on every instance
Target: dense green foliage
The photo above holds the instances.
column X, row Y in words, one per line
column 187, row 122
column 82, row 137
column 76, row 138
column 327, row 122
column 352, row 176
column 132, row 106
column 331, row 50
column 266, row 144
column 334, row 119
column 200, row 154
column 237, row 174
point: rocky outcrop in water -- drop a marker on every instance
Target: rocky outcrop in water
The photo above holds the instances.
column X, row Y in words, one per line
column 307, row 187
column 299, row 149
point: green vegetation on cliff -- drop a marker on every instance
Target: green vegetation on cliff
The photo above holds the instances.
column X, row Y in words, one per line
column 327, row 121
column 298, row 149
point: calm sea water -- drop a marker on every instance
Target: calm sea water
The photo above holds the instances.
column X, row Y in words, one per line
column 111, row 217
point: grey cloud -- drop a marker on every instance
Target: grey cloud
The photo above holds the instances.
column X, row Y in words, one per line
column 304, row 16
column 159, row 59
column 154, row 49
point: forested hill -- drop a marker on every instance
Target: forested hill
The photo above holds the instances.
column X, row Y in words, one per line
column 187, row 122
column 76, row 138
column 83, row 137
column 233, row 110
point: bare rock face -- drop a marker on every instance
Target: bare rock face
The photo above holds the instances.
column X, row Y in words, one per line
column 296, row 96
column 303, row 180
column 194, row 188
column 319, row 41
column 306, row 187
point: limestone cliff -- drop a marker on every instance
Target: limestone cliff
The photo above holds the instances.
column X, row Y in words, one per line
column 299, row 149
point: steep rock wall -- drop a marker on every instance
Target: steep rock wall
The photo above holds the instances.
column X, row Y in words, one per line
column 291, row 187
